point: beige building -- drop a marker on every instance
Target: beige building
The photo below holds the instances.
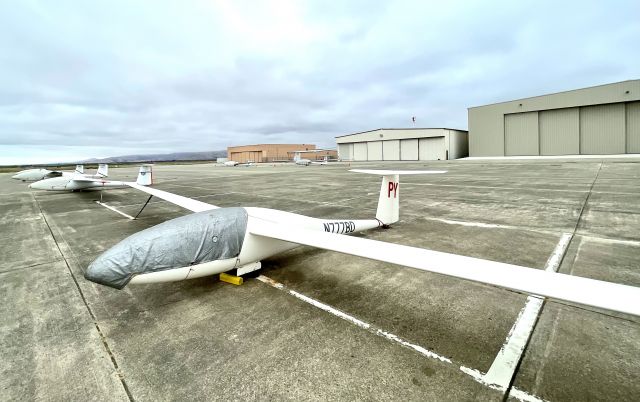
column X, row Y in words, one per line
column 403, row 144
column 317, row 155
column 598, row 120
column 268, row 152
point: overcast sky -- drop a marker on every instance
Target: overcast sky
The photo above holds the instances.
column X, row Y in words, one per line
column 82, row 79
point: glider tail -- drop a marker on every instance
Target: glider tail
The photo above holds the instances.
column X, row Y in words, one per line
column 145, row 175
column 388, row 211
column 80, row 169
column 103, row 170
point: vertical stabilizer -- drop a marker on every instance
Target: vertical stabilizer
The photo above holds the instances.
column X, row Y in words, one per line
column 389, row 200
column 80, row 169
column 145, row 175
column 103, row 170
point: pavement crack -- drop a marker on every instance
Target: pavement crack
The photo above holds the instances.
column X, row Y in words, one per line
column 539, row 374
column 84, row 300
column 38, row 265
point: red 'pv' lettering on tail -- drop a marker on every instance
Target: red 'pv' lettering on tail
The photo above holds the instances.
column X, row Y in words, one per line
column 392, row 187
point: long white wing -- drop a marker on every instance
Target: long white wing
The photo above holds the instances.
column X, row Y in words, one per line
column 184, row 202
column 88, row 179
column 589, row 292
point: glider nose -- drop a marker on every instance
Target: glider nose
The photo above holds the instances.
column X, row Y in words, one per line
column 194, row 239
column 16, row 177
column 107, row 272
column 37, row 186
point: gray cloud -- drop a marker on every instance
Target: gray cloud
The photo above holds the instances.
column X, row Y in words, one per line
column 93, row 79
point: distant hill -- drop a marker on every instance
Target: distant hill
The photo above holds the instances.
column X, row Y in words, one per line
column 176, row 156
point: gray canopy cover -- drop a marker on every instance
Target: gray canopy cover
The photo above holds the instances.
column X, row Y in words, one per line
column 189, row 240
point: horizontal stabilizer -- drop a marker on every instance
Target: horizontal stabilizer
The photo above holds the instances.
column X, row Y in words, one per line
column 394, row 172
column 588, row 292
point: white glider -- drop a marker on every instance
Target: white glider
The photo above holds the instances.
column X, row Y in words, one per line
column 215, row 240
column 79, row 182
column 40, row 174
column 298, row 160
column 234, row 163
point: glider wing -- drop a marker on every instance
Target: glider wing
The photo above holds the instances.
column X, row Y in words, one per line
column 184, row 202
column 585, row 291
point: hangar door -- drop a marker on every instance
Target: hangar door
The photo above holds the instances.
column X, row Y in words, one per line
column 633, row 127
column 246, row 156
column 521, row 134
column 602, row 129
column 345, row 151
column 391, row 150
column 559, row 132
column 432, row 149
column 374, row 150
column 360, row 151
column 409, row 150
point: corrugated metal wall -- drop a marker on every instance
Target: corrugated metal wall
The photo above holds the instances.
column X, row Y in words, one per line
column 487, row 123
column 409, row 150
column 397, row 144
column 559, row 131
column 590, row 130
column 633, row 127
column 391, row 150
column 360, row 151
column 486, row 132
column 374, row 150
column 345, row 151
column 432, row 149
column 602, row 129
column 521, row 133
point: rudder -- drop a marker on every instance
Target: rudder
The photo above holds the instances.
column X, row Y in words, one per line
column 145, row 175
column 388, row 211
column 103, row 170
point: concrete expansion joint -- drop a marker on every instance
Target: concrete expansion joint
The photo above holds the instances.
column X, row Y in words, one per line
column 86, row 304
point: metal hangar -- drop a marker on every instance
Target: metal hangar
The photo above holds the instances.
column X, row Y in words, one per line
column 265, row 152
column 598, row 120
column 403, row 144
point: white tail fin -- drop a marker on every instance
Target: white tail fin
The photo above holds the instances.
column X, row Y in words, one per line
column 389, row 200
column 80, row 169
column 103, row 170
column 145, row 175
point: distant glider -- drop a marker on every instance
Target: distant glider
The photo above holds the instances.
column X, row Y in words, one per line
column 79, row 182
column 40, row 174
column 234, row 163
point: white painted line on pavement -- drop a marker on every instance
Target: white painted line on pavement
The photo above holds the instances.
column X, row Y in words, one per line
column 475, row 374
column 114, row 210
column 353, row 320
column 504, row 366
